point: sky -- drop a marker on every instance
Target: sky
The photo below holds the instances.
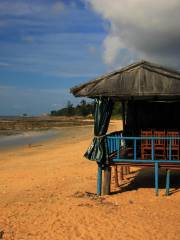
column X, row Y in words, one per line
column 47, row 46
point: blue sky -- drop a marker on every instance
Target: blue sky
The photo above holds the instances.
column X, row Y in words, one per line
column 46, row 47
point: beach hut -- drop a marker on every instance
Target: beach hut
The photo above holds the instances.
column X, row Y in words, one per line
column 150, row 97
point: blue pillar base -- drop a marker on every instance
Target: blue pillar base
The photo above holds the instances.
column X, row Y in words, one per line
column 156, row 178
column 99, row 180
column 167, row 181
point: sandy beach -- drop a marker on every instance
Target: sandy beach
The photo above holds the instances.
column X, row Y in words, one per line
column 48, row 192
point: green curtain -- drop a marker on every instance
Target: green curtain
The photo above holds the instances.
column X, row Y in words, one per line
column 102, row 115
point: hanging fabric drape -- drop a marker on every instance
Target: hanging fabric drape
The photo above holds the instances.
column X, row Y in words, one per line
column 103, row 111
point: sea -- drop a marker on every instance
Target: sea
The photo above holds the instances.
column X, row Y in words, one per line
column 29, row 138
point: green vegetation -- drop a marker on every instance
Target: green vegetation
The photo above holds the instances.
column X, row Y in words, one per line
column 84, row 109
column 117, row 110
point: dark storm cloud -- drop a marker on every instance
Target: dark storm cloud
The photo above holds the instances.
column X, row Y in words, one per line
column 146, row 29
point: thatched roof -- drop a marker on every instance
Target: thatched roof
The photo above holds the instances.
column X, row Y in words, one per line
column 139, row 80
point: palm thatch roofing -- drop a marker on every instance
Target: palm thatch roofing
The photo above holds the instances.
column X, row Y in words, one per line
column 142, row 80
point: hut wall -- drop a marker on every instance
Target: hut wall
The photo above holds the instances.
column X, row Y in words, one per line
column 155, row 115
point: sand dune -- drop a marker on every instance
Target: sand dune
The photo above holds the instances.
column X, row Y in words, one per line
column 48, row 192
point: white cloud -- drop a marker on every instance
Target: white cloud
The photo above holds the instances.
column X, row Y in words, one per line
column 112, row 44
column 147, row 28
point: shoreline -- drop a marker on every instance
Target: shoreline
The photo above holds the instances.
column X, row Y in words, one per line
column 40, row 137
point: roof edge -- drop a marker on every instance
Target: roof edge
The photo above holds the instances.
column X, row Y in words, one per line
column 141, row 63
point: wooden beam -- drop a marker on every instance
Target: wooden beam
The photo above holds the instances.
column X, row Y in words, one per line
column 107, row 180
column 126, row 169
column 123, row 115
column 116, row 176
column 121, row 175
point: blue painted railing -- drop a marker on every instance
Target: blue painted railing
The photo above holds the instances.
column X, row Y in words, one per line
column 117, row 145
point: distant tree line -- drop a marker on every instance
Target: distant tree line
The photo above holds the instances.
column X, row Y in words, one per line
column 83, row 109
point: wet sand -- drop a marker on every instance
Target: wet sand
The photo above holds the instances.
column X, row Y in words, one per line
column 31, row 138
column 48, row 192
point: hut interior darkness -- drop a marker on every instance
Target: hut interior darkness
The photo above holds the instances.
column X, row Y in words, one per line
column 152, row 96
column 157, row 115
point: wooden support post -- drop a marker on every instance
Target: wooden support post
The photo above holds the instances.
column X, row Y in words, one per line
column 126, row 170
column 123, row 168
column 116, row 176
column 121, row 175
column 123, row 115
column 167, row 181
column 99, row 180
column 107, row 180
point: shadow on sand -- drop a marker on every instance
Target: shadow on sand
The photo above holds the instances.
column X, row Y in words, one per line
column 144, row 178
